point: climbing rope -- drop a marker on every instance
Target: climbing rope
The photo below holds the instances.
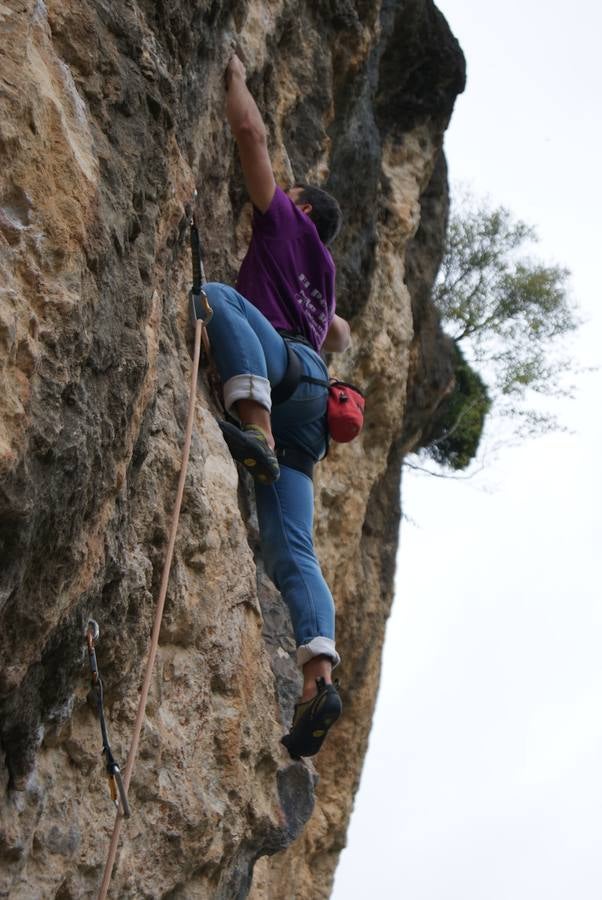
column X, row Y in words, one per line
column 199, row 303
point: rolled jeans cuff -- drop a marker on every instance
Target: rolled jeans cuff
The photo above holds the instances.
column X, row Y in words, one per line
column 248, row 387
column 318, row 646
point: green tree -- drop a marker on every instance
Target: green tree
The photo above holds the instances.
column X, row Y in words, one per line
column 455, row 430
column 508, row 312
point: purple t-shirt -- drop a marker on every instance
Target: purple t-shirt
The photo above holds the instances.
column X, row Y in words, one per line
column 288, row 273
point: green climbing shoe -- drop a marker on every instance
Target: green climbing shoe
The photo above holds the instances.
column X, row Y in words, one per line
column 248, row 445
column 312, row 721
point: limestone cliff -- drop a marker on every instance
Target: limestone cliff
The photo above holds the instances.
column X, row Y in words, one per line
column 111, row 113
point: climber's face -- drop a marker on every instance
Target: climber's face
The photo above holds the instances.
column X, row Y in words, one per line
column 295, row 194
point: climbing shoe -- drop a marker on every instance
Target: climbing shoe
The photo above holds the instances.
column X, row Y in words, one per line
column 249, row 446
column 312, row 721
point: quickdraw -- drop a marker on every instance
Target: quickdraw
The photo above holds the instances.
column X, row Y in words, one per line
column 198, row 297
column 116, row 787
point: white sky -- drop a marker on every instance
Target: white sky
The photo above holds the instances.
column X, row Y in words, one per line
column 483, row 779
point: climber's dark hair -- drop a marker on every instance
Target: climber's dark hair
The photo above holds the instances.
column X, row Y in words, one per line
column 325, row 211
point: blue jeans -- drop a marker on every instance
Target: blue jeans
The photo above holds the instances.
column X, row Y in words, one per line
column 251, row 356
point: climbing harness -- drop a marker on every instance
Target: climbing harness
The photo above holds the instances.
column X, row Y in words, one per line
column 116, row 788
column 344, row 410
column 202, row 314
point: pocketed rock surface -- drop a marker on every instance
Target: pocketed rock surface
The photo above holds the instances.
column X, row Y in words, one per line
column 111, row 114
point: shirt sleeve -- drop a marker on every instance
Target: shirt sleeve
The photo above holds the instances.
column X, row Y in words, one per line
column 282, row 219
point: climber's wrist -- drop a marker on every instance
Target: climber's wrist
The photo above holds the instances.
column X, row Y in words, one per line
column 235, row 71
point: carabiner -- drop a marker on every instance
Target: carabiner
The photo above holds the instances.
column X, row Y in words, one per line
column 202, row 306
column 92, row 630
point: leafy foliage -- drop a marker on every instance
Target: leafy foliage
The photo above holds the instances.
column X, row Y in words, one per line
column 455, row 433
column 508, row 313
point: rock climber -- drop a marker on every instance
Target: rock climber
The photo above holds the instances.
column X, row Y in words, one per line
column 283, row 306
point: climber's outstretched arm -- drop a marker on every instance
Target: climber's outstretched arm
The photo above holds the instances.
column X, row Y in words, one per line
column 250, row 135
